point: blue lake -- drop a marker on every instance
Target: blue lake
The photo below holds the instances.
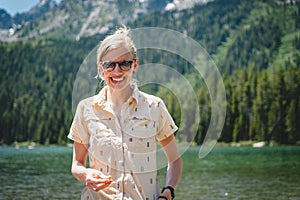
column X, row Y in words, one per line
column 225, row 173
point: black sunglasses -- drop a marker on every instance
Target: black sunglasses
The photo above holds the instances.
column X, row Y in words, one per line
column 124, row 65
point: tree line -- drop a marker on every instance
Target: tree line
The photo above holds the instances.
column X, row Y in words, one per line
column 36, row 89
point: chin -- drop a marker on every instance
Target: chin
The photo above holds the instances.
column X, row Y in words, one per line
column 118, row 86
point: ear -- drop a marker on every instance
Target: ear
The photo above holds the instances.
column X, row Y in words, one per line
column 136, row 65
column 100, row 70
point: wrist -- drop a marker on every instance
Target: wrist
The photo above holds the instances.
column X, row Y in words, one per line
column 170, row 191
column 167, row 194
column 162, row 197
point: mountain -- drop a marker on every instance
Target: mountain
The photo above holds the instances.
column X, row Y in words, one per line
column 34, row 13
column 9, row 25
column 74, row 19
column 6, row 20
column 239, row 33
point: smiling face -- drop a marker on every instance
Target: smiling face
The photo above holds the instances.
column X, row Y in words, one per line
column 117, row 78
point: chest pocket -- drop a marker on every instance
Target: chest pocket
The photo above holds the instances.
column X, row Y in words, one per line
column 98, row 126
column 140, row 134
column 141, row 128
column 104, row 143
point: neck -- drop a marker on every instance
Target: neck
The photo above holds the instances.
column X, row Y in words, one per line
column 118, row 97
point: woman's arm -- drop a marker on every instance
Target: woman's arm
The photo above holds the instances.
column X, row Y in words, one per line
column 93, row 178
column 79, row 161
column 174, row 164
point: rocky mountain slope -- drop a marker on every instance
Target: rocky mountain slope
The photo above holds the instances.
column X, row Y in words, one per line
column 74, row 19
column 10, row 24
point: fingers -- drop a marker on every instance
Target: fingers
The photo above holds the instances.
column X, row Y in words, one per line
column 97, row 181
column 96, row 178
column 97, row 187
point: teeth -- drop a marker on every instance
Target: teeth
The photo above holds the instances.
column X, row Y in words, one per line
column 117, row 79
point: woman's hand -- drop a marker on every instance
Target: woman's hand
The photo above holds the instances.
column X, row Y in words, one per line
column 94, row 179
column 165, row 194
column 97, row 181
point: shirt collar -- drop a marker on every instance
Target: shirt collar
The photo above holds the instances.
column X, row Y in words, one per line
column 135, row 94
column 101, row 97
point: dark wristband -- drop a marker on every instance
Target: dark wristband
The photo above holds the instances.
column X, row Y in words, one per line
column 162, row 197
column 172, row 190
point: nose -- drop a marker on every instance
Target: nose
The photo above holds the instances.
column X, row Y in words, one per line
column 117, row 68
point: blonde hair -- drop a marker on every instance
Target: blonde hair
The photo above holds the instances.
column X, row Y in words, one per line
column 119, row 38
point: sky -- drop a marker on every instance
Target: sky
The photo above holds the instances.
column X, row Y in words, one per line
column 14, row 6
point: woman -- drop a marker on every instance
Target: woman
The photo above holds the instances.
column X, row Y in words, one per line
column 118, row 130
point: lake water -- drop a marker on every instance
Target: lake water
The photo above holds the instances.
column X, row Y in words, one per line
column 226, row 173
